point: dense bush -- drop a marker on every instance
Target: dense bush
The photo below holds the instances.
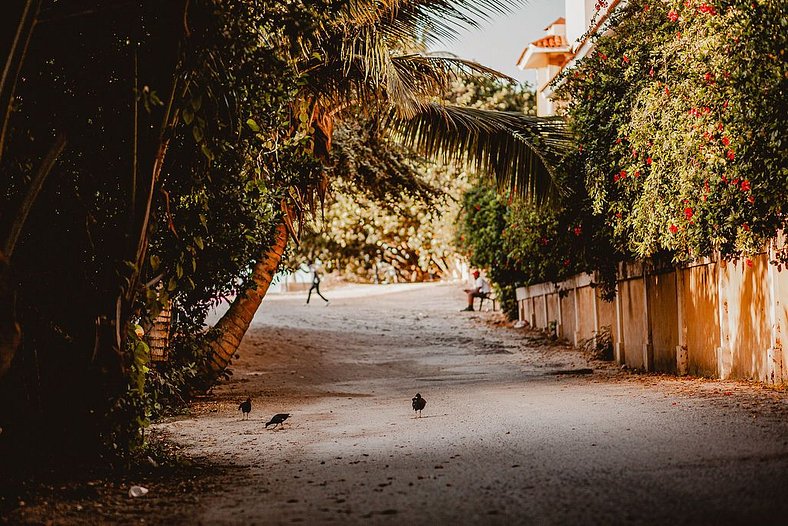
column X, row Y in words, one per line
column 680, row 115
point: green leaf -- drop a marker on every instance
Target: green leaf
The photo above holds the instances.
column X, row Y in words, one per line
column 252, row 125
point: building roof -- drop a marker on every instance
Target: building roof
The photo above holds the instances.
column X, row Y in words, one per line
column 551, row 41
column 558, row 21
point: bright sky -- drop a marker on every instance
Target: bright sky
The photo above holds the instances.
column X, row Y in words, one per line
column 498, row 44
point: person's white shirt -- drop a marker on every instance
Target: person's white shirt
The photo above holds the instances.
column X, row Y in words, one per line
column 482, row 285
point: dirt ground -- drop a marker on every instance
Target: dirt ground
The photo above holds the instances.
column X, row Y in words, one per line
column 503, row 438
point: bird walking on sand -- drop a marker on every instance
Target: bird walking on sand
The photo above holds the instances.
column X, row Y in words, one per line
column 419, row 403
column 245, row 407
column 277, row 419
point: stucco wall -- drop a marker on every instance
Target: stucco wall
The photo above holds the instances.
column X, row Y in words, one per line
column 632, row 293
column 585, row 307
column 701, row 318
column 664, row 320
column 781, row 317
column 729, row 317
column 744, row 318
column 568, row 317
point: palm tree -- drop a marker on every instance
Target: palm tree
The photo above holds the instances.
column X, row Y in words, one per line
column 354, row 61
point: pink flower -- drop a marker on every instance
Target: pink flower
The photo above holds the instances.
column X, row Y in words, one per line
column 651, row 72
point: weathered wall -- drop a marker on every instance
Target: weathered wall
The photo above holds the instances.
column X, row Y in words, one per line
column 701, row 318
column 635, row 332
column 712, row 318
column 663, row 313
column 585, row 308
column 744, row 318
column 567, row 322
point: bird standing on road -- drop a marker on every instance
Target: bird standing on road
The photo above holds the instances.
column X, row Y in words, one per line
column 246, row 407
column 418, row 403
column 277, row 419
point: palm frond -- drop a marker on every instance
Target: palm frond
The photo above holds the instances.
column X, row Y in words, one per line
column 518, row 152
column 406, row 82
column 436, row 19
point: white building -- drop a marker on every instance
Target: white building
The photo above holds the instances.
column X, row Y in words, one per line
column 565, row 41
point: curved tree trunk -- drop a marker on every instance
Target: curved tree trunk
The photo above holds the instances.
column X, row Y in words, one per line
column 230, row 329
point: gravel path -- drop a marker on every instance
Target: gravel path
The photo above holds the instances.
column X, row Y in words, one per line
column 501, row 441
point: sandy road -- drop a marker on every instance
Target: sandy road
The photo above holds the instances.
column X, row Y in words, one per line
column 501, row 440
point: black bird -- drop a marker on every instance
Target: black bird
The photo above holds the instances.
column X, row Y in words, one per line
column 246, row 407
column 277, row 419
column 418, row 403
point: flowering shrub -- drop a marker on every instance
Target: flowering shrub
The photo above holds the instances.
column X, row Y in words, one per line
column 680, row 113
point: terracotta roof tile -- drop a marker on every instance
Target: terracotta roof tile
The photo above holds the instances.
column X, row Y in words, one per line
column 550, row 41
column 558, row 21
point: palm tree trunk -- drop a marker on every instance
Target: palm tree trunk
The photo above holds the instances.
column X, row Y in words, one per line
column 230, row 329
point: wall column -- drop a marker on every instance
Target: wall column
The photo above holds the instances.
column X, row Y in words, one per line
column 618, row 348
column 682, row 355
column 648, row 345
column 576, row 338
column 775, row 368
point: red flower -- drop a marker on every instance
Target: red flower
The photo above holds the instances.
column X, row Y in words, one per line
column 667, row 91
column 745, row 227
column 636, row 174
column 751, row 199
column 673, row 229
column 645, row 7
column 708, row 9
column 602, row 56
column 623, row 173
column 730, row 155
column 688, row 213
column 626, row 60
column 673, row 16
column 578, row 230
column 709, row 77
column 748, row 261
column 651, row 72
column 745, row 186
column 634, row 153
column 726, row 141
column 615, row 178
column 648, row 161
column 618, row 141
column 478, row 207
column 566, row 262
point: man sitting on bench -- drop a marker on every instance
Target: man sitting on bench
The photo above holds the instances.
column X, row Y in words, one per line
column 481, row 289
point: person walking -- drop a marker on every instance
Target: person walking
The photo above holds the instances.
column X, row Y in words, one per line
column 315, row 285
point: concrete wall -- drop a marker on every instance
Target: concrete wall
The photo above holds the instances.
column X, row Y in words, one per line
column 712, row 318
column 663, row 313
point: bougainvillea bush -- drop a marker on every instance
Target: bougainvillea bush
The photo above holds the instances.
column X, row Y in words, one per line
column 680, row 116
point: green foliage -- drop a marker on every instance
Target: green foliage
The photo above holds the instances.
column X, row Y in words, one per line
column 680, row 113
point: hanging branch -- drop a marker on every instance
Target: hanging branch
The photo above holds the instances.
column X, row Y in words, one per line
column 15, row 59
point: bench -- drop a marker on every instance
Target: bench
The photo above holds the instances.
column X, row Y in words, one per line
column 490, row 296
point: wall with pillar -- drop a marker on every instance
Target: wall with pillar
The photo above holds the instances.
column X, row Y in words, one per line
column 711, row 318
